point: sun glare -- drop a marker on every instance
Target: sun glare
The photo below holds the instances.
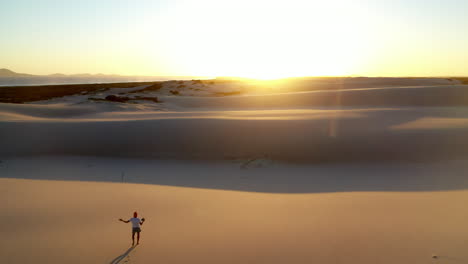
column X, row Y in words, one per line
column 265, row 40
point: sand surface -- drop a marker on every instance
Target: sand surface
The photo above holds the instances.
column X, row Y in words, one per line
column 374, row 173
column 76, row 222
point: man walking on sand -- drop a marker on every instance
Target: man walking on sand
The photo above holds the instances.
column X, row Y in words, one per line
column 136, row 222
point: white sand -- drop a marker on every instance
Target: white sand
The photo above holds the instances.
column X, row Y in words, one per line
column 76, row 222
column 358, row 176
column 311, row 135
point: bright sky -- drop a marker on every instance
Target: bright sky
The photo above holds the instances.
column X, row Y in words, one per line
column 246, row 38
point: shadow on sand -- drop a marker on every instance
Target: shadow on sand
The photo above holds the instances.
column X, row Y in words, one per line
column 271, row 178
column 123, row 256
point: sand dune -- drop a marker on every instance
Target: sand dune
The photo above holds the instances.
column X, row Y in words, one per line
column 426, row 96
column 366, row 174
column 389, row 127
column 308, row 135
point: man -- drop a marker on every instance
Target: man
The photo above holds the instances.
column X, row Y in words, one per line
column 136, row 222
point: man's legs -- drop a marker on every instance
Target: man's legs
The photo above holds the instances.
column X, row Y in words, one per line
column 138, row 238
column 133, row 237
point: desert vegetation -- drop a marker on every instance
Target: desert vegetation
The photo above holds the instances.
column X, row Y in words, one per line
column 23, row 94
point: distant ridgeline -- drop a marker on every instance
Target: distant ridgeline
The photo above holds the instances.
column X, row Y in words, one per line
column 11, row 78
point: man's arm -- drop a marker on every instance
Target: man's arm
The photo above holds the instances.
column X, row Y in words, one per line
column 142, row 221
column 123, row 220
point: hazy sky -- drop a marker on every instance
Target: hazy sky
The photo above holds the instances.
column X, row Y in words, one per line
column 248, row 38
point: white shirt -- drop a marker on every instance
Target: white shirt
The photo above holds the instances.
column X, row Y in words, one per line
column 135, row 222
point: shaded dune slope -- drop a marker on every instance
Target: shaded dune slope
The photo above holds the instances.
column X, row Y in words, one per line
column 353, row 125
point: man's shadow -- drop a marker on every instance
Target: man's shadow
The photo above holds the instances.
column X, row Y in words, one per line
column 123, row 256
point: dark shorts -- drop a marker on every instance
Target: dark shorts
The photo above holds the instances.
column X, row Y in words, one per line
column 136, row 230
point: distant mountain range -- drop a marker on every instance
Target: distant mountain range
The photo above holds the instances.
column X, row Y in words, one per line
column 11, row 78
column 10, row 73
